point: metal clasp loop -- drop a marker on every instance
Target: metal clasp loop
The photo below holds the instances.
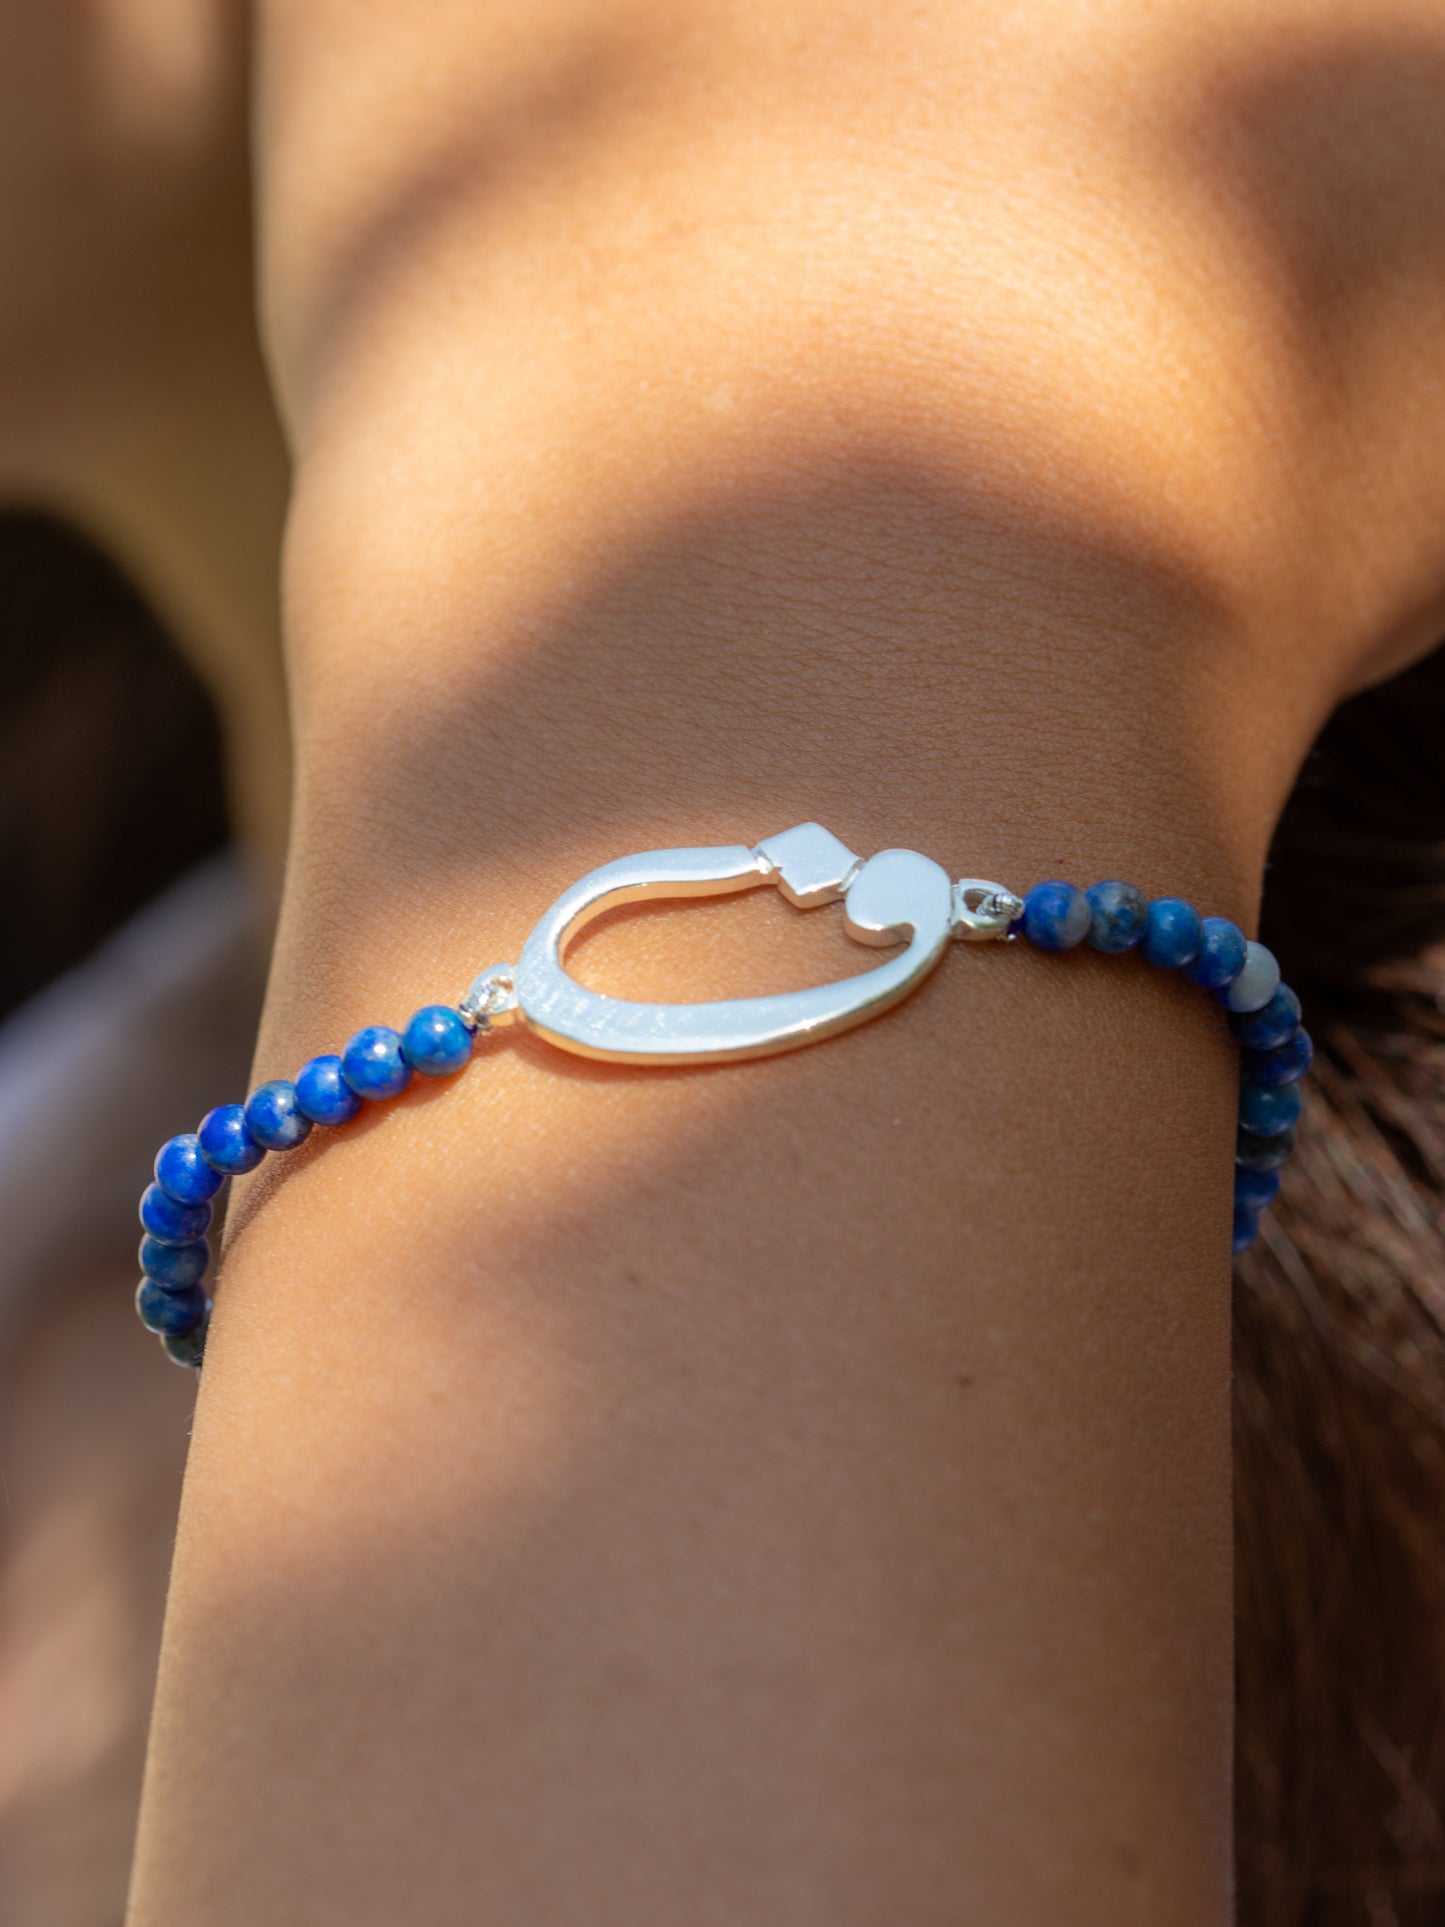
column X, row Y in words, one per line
column 983, row 911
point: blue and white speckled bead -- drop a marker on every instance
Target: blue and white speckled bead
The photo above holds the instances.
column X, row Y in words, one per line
column 172, row 1223
column 1285, row 1064
column 436, row 1042
column 324, row 1094
column 1172, row 934
column 183, row 1171
column 373, row 1064
column 274, row 1118
column 169, row 1313
column 1245, row 1230
column 227, row 1143
column 1253, row 1190
column 1268, row 1109
column 1118, row 913
column 1056, row 916
column 1271, row 1025
column 176, row 1267
column 1223, row 952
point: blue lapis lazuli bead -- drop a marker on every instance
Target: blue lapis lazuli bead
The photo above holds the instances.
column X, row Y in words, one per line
column 169, row 1313
column 172, row 1223
column 1268, row 1109
column 1246, row 1229
column 1117, row 912
column 1221, row 955
column 183, row 1170
column 177, row 1267
column 1056, row 916
column 373, row 1064
column 1257, row 1153
column 274, row 1118
column 436, row 1042
column 1285, row 1064
column 1268, row 1028
column 186, row 1348
column 324, row 1094
column 227, row 1143
column 1253, row 1190
column 1171, row 934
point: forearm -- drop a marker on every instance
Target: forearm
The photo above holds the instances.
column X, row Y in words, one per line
column 796, row 1492
column 786, row 1493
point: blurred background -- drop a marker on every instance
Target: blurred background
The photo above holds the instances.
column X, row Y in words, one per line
column 130, row 978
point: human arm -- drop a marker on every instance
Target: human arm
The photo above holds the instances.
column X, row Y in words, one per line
column 798, row 1492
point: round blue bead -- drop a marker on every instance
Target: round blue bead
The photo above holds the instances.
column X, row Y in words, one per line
column 177, row 1267
column 172, row 1223
column 182, row 1170
column 1117, row 912
column 187, row 1348
column 373, row 1065
column 1270, row 1027
column 324, row 1094
column 1253, row 1190
column 1268, row 1109
column 1056, row 916
column 226, row 1141
column 1256, row 1153
column 1255, row 984
column 1222, row 952
column 436, row 1042
column 1246, row 1229
column 1283, row 1065
column 1171, row 934
column 274, row 1118
column 169, row 1312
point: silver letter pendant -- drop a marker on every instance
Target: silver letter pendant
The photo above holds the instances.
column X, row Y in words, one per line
column 895, row 897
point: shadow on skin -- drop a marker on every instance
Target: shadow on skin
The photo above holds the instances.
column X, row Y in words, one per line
column 535, row 132
column 1324, row 158
column 1328, row 155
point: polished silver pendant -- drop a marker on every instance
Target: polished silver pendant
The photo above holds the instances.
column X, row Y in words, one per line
column 896, row 897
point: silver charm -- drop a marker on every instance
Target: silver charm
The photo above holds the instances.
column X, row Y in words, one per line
column 895, row 897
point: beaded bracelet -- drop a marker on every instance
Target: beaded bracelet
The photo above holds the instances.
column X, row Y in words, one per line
column 894, row 897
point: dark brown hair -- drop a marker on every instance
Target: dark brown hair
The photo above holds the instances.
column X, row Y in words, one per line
column 1339, row 1409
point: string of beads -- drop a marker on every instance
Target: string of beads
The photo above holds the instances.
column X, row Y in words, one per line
column 379, row 1063
column 1264, row 1014
column 175, row 1210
